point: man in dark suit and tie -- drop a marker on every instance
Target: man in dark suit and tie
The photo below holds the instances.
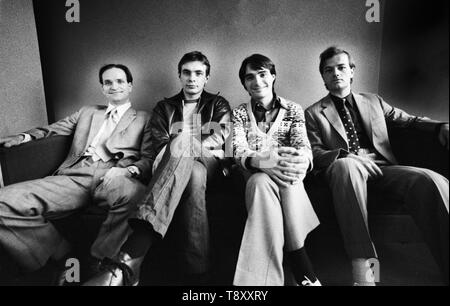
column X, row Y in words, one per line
column 107, row 163
column 351, row 150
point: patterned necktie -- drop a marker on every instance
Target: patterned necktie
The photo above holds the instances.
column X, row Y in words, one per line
column 352, row 136
column 109, row 126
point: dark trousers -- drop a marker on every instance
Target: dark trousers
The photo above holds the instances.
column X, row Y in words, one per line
column 423, row 193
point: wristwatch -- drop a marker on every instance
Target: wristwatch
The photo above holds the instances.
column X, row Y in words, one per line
column 133, row 171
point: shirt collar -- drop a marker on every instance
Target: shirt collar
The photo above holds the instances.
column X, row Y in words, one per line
column 349, row 99
column 275, row 104
column 121, row 109
column 194, row 101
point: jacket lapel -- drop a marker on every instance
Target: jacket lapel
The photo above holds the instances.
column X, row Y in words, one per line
column 124, row 122
column 177, row 102
column 330, row 112
column 97, row 120
column 364, row 108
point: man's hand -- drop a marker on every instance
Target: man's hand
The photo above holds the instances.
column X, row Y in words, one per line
column 443, row 135
column 372, row 168
column 11, row 141
column 284, row 170
column 291, row 157
column 114, row 172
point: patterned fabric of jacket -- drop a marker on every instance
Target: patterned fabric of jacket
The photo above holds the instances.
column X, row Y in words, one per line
column 288, row 130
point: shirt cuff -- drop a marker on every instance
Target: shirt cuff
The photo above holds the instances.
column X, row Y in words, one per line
column 437, row 129
column 342, row 154
column 135, row 169
column 248, row 164
column 26, row 137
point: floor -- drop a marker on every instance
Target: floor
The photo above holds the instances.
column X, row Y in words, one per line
column 404, row 260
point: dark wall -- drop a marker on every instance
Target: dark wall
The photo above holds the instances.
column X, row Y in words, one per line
column 415, row 52
column 151, row 36
column 22, row 103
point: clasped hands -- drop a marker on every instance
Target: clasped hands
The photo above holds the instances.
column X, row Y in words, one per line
column 285, row 165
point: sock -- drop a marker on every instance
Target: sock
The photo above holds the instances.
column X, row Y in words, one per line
column 140, row 241
column 361, row 272
column 301, row 266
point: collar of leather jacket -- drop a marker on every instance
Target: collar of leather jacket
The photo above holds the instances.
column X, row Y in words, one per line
column 205, row 99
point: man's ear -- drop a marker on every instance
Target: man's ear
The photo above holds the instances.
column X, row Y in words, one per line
column 130, row 85
column 353, row 71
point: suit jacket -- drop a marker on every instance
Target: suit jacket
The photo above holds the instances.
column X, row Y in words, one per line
column 327, row 133
column 129, row 143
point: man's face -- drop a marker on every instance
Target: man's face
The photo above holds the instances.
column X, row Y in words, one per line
column 193, row 79
column 259, row 83
column 337, row 73
column 115, row 86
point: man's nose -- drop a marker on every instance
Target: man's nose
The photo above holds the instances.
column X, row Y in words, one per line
column 114, row 85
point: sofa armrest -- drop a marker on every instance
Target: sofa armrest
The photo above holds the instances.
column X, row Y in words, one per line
column 419, row 149
column 33, row 160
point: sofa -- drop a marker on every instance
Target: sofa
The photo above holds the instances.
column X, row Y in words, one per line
column 227, row 214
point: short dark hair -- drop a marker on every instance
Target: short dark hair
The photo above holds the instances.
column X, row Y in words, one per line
column 256, row 61
column 194, row 56
column 329, row 53
column 118, row 66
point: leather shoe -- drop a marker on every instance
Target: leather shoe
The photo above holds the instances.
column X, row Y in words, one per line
column 121, row 271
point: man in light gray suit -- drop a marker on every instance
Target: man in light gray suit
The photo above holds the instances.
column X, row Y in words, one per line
column 351, row 149
column 106, row 165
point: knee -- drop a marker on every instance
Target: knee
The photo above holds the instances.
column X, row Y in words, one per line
column 425, row 178
column 198, row 177
column 345, row 167
column 258, row 180
column 127, row 190
column 261, row 184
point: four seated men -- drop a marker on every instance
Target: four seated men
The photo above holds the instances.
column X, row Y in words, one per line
column 149, row 169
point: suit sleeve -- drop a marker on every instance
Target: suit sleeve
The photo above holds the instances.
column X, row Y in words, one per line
column 145, row 162
column 398, row 118
column 63, row 127
column 322, row 156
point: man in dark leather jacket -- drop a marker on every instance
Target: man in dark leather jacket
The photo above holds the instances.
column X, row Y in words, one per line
column 188, row 133
column 168, row 113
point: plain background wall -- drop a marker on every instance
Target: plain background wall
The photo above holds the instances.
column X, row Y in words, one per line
column 414, row 67
column 150, row 36
column 22, row 103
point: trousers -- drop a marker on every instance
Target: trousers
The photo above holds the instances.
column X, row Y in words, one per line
column 278, row 220
column 422, row 192
column 176, row 196
column 26, row 209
